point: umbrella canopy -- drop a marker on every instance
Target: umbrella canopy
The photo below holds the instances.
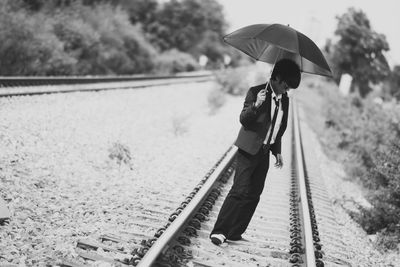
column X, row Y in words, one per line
column 272, row 42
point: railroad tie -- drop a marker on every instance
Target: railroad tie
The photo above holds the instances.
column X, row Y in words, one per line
column 4, row 212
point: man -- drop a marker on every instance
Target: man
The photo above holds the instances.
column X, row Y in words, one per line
column 264, row 119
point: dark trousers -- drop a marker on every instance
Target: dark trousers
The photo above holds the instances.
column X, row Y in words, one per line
column 242, row 199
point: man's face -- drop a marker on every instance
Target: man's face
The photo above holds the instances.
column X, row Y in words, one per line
column 280, row 86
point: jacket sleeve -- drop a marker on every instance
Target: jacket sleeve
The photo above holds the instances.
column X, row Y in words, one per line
column 276, row 147
column 249, row 112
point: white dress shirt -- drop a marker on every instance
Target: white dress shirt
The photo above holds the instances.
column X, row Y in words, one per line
column 278, row 118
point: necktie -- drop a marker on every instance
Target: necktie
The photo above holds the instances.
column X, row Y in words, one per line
column 271, row 132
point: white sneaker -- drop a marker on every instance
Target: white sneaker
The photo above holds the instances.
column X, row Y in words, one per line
column 217, row 239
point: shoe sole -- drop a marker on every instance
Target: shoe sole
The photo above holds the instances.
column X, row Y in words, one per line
column 234, row 239
column 216, row 241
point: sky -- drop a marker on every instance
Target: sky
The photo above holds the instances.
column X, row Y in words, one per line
column 317, row 18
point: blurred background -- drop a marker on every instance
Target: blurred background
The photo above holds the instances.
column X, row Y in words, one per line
column 356, row 114
column 115, row 37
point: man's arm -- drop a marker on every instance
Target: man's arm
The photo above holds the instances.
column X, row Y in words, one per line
column 276, row 147
column 250, row 108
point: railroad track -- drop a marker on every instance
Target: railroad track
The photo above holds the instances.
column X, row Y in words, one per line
column 285, row 231
column 17, row 86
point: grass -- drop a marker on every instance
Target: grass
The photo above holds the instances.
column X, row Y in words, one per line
column 180, row 124
column 361, row 135
column 121, row 154
column 312, row 102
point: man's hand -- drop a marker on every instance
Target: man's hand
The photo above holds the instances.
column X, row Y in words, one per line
column 279, row 161
column 260, row 97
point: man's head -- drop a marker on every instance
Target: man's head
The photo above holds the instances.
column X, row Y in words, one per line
column 285, row 75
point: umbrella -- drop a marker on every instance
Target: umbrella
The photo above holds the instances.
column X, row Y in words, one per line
column 272, row 42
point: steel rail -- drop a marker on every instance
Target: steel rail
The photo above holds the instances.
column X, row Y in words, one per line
column 307, row 228
column 11, row 81
column 162, row 242
column 18, row 86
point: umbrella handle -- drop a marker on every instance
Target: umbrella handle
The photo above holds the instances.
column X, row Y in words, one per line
column 270, row 73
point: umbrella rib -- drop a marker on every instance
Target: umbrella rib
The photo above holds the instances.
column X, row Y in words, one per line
column 298, row 48
column 255, row 38
column 301, row 62
column 266, row 47
column 320, row 74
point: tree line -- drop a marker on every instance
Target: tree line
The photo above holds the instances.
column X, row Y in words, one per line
column 360, row 51
column 108, row 37
column 116, row 37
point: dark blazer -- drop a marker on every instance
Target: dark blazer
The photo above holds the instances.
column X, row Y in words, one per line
column 256, row 121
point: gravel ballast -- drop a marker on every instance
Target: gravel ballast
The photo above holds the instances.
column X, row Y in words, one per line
column 61, row 185
column 60, row 182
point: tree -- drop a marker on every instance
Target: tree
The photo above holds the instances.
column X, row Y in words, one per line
column 37, row 5
column 359, row 51
column 211, row 47
column 140, row 11
column 183, row 24
column 99, row 37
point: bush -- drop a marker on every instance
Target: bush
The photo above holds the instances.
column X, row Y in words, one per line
column 180, row 124
column 103, row 40
column 232, row 81
column 174, row 61
column 121, row 154
column 80, row 41
column 124, row 50
column 28, row 48
column 72, row 40
column 394, row 82
column 369, row 132
column 236, row 81
column 389, row 238
column 216, row 99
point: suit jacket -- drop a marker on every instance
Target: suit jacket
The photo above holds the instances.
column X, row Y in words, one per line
column 256, row 122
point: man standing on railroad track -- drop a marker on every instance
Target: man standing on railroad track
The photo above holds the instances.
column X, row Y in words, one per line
column 264, row 119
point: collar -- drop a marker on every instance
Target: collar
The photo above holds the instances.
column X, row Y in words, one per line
column 278, row 97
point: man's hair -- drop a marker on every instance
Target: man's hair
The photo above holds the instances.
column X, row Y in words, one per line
column 288, row 71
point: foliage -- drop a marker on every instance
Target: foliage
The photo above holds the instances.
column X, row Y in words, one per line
column 190, row 26
column 28, row 48
column 79, row 41
column 173, row 61
column 394, row 82
column 216, row 99
column 389, row 238
column 120, row 153
column 74, row 40
column 141, row 11
column 100, row 37
column 180, row 124
column 236, row 81
column 369, row 133
column 210, row 46
column 123, row 48
column 359, row 51
column 181, row 24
